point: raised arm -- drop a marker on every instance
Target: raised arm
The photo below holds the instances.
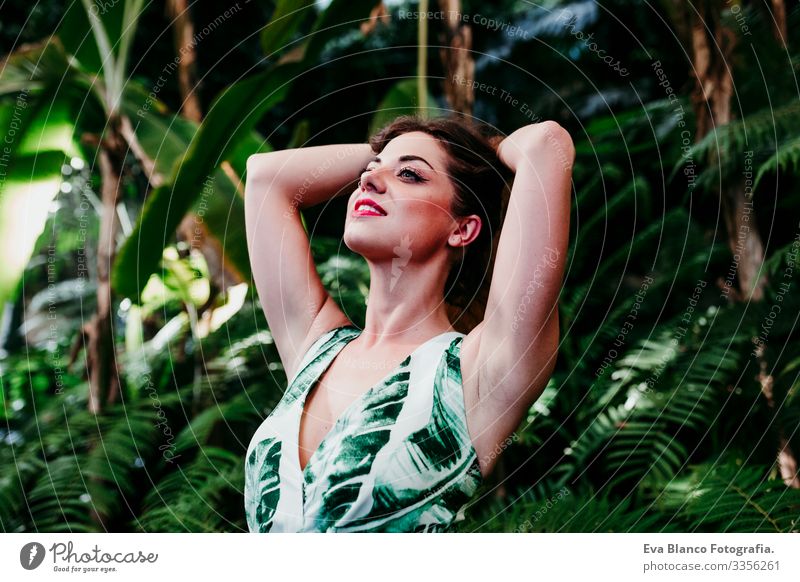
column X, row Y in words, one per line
column 279, row 184
column 515, row 346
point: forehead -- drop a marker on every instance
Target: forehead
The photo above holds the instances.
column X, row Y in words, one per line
column 415, row 143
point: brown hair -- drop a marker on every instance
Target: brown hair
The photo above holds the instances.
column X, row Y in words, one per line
column 479, row 179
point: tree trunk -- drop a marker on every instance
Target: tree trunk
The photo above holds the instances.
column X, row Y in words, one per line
column 191, row 229
column 457, row 59
column 183, row 32
column 786, row 460
column 713, row 46
column 378, row 14
column 459, row 66
column 101, row 356
column 779, row 15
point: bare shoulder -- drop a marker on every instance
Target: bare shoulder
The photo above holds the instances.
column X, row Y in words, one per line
column 329, row 318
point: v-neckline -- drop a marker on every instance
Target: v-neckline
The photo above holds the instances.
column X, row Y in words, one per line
column 330, row 358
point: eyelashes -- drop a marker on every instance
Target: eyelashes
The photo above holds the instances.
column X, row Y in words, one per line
column 416, row 176
column 407, row 170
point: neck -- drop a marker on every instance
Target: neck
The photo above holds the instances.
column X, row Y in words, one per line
column 406, row 302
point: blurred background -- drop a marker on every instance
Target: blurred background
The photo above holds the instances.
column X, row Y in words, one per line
column 135, row 360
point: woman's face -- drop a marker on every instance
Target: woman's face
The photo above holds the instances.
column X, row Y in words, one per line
column 409, row 182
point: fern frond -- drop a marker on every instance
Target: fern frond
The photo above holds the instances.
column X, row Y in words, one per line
column 785, row 158
column 729, row 497
column 561, row 510
column 190, row 498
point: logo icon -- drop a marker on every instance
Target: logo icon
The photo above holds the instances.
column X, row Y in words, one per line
column 31, row 555
column 403, row 255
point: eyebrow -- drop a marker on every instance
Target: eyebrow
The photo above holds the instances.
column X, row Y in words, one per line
column 406, row 158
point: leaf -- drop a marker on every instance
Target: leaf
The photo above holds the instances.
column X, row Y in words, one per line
column 287, row 18
column 38, row 137
column 331, row 24
column 401, row 99
column 214, row 143
column 786, row 157
column 34, row 67
column 165, row 139
column 724, row 496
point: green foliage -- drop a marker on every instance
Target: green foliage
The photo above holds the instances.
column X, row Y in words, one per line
column 727, row 496
column 278, row 34
column 564, row 511
column 786, row 159
column 213, row 143
column 145, row 463
column 189, row 500
column 773, row 129
column 664, row 427
column 37, row 125
column 400, row 100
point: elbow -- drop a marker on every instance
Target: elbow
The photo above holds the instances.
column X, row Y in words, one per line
column 258, row 166
column 261, row 174
column 555, row 132
column 552, row 136
column 561, row 141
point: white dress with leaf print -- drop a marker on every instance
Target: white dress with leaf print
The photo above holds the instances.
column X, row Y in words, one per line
column 399, row 458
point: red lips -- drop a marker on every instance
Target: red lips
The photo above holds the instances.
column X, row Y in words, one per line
column 368, row 207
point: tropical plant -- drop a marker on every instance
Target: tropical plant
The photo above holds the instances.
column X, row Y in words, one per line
column 674, row 403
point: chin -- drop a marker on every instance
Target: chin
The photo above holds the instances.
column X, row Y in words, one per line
column 359, row 241
column 369, row 241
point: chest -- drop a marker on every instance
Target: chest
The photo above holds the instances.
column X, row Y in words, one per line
column 339, row 388
column 344, row 381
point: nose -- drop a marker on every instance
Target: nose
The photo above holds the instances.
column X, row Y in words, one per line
column 372, row 181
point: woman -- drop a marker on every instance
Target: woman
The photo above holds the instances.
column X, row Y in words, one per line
column 394, row 427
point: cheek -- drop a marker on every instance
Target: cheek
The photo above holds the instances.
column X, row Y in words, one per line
column 432, row 213
column 432, row 207
column 426, row 222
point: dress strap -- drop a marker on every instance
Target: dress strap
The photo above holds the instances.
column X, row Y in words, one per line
column 320, row 344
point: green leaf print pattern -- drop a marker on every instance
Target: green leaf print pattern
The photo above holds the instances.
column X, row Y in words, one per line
column 263, row 485
column 442, row 452
column 399, row 459
column 367, row 429
column 308, row 373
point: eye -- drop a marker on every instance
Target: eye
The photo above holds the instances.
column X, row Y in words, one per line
column 409, row 173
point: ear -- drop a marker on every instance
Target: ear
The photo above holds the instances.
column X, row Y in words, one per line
column 467, row 230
